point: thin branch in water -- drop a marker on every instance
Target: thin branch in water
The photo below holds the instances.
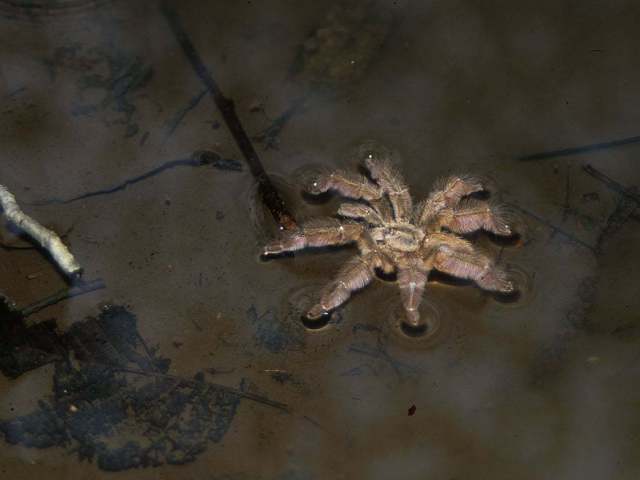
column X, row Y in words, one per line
column 268, row 192
column 618, row 218
column 612, row 184
column 566, row 208
column 79, row 288
column 270, row 136
column 594, row 147
column 625, row 208
column 554, row 228
column 249, row 396
column 198, row 159
column 7, row 246
column 174, row 123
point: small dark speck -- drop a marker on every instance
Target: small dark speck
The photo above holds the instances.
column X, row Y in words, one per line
column 144, row 138
column 591, row 197
column 412, row 410
column 131, row 130
column 596, row 50
column 177, row 344
column 219, row 214
column 167, row 201
column 215, row 125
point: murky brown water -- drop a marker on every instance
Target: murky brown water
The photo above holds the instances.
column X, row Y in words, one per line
column 217, row 377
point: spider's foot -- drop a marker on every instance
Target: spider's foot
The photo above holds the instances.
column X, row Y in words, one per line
column 288, row 244
column 497, row 281
column 507, row 287
column 412, row 318
column 412, row 325
column 317, row 312
column 502, row 229
column 274, row 248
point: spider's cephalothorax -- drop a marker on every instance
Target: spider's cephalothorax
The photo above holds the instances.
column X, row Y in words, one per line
column 395, row 236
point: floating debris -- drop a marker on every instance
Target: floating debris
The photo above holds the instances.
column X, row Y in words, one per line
column 47, row 239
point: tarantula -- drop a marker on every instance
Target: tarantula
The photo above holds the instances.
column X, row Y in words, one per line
column 395, row 237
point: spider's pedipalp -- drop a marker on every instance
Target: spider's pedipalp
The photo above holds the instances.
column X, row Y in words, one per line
column 471, row 215
column 379, row 161
column 320, row 232
column 411, row 282
column 360, row 211
column 356, row 274
column 447, row 192
column 347, row 184
column 473, row 266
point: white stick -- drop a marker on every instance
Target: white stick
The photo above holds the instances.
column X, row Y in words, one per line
column 47, row 239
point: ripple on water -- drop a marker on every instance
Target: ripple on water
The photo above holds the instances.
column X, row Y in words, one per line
column 436, row 329
column 525, row 291
column 319, row 335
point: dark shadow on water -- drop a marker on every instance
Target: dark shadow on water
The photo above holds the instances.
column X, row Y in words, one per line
column 507, row 298
column 386, row 277
column 315, row 324
column 414, row 330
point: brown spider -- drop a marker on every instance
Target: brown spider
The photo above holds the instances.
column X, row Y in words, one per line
column 394, row 236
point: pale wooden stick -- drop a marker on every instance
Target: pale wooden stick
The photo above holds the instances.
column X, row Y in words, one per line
column 47, row 239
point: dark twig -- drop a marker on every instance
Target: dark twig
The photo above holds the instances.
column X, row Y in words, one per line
column 7, row 246
column 555, row 229
column 268, row 192
column 174, row 123
column 269, row 137
column 618, row 218
column 380, row 352
column 612, row 184
column 566, row 208
column 79, row 288
column 594, row 147
column 625, row 208
column 197, row 159
column 249, row 396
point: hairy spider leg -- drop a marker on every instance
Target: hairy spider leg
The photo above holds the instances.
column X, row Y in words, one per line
column 472, row 215
column 474, row 266
column 316, row 233
column 347, row 184
column 356, row 274
column 384, row 172
column 411, row 282
column 360, row 211
column 447, row 192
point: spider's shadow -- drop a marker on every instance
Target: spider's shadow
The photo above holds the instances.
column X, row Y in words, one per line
column 499, row 240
